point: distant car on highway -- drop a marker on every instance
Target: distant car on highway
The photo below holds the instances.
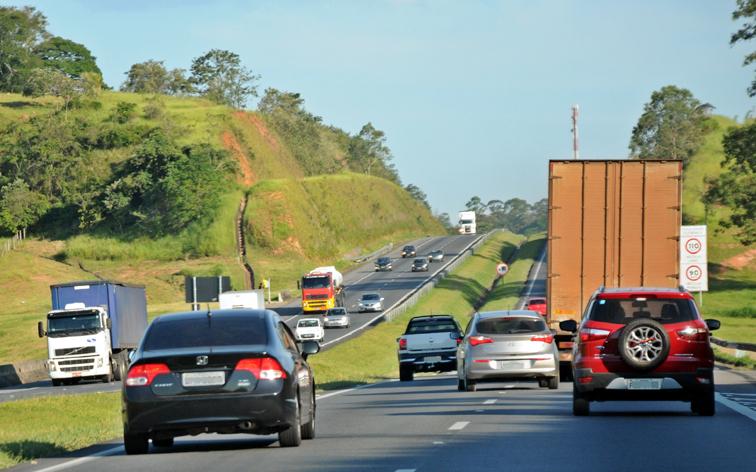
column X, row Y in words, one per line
column 409, row 251
column 429, row 344
column 420, row 265
column 654, row 345
column 370, row 302
column 226, row 371
column 336, row 318
column 309, row 329
column 503, row 345
column 537, row 304
column 383, row 264
column 436, row 256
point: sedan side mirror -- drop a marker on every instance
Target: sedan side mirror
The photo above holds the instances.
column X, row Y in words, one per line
column 310, row 347
column 40, row 329
column 568, row 325
column 713, row 324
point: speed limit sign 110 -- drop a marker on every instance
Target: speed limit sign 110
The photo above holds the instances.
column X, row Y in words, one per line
column 693, row 274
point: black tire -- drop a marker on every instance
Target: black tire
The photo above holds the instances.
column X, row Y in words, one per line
column 292, row 436
column 649, row 354
column 554, row 383
column 135, row 443
column 163, row 442
column 703, row 404
column 461, row 385
column 470, row 385
column 108, row 378
column 580, row 405
column 543, row 383
column 57, row 382
column 406, row 373
column 565, row 371
column 122, row 364
column 308, row 429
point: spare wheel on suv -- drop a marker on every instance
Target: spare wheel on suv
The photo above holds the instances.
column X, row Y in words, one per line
column 644, row 344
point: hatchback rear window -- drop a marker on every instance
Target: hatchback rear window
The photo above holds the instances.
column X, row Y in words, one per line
column 623, row 311
column 192, row 332
column 431, row 326
column 510, row 325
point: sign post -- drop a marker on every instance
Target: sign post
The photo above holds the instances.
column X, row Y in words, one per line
column 693, row 269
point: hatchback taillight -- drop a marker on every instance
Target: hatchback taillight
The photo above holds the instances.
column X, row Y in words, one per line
column 546, row 338
column 142, row 375
column 263, row 368
column 476, row 340
column 593, row 334
column 402, row 344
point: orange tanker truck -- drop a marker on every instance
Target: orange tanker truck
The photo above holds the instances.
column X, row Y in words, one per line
column 320, row 289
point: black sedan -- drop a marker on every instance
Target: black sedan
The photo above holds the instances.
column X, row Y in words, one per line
column 383, row 264
column 225, row 371
column 420, row 265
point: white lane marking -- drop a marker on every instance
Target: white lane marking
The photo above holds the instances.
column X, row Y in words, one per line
column 406, row 470
column 438, row 442
column 81, row 460
column 532, row 281
column 743, row 410
column 18, row 390
column 489, row 402
column 458, row 425
column 479, row 411
column 734, row 394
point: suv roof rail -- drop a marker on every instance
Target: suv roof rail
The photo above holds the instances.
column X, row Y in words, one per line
column 601, row 289
column 682, row 288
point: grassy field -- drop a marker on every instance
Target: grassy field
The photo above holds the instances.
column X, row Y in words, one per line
column 82, row 420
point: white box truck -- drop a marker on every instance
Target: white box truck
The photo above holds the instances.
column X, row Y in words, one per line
column 467, row 222
column 253, row 299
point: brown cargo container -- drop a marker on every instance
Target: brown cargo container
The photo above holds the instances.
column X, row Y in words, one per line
column 614, row 223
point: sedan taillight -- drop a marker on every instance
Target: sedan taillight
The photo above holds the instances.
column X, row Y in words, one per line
column 142, row 375
column 593, row 334
column 546, row 338
column 476, row 340
column 263, row 368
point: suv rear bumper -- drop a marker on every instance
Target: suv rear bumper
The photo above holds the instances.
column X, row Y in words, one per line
column 614, row 386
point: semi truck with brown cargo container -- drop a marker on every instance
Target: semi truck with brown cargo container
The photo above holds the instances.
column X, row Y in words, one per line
column 611, row 223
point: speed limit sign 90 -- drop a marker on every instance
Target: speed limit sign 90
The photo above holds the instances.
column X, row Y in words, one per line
column 502, row 269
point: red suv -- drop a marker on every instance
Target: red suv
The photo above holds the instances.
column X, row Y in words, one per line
column 642, row 344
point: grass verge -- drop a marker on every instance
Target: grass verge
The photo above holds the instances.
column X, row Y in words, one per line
column 726, row 358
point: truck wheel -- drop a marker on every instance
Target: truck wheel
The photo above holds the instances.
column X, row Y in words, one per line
column 57, row 382
column 135, row 443
column 108, row 378
column 406, row 374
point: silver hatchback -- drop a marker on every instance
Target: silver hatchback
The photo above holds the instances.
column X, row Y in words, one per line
column 336, row 317
column 505, row 345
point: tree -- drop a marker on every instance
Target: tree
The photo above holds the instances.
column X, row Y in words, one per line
column 418, row 194
column 21, row 29
column 746, row 10
column 736, row 186
column 66, row 56
column 146, row 77
column 220, row 77
column 672, row 126
column 367, row 152
column 20, row 207
column 56, row 83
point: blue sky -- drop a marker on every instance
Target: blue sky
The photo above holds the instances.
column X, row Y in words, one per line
column 474, row 96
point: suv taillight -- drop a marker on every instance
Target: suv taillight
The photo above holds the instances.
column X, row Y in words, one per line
column 475, row 340
column 593, row 334
column 263, row 368
column 142, row 375
column 402, row 344
column 546, row 338
column 691, row 333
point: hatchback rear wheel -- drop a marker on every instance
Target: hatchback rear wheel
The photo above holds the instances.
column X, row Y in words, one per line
column 703, row 404
column 580, row 405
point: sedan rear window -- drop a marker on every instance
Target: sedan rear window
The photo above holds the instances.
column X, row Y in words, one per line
column 431, row 326
column 510, row 325
column 193, row 332
column 623, row 311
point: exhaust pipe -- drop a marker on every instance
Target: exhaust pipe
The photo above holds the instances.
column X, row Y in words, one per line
column 246, row 425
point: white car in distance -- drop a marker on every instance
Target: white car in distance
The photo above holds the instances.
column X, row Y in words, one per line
column 309, row 329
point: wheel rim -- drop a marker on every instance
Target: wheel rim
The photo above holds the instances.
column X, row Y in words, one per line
column 644, row 344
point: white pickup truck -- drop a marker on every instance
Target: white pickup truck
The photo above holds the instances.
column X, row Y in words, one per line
column 309, row 329
column 428, row 345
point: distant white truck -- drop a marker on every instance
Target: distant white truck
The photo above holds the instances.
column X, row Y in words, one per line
column 254, row 299
column 467, row 222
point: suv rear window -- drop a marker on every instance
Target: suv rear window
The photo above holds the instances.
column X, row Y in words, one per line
column 218, row 331
column 510, row 325
column 431, row 326
column 623, row 311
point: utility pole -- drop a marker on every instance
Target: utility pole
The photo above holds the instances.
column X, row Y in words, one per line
column 575, row 145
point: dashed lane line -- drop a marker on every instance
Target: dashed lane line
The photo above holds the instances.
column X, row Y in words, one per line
column 458, row 425
column 490, row 402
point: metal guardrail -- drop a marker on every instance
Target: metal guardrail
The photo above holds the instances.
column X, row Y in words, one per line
column 733, row 345
column 384, row 250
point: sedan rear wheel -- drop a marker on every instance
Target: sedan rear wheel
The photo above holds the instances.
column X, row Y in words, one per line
column 308, row 429
column 292, row 437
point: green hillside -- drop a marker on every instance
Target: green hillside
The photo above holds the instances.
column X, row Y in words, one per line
column 294, row 217
column 732, row 270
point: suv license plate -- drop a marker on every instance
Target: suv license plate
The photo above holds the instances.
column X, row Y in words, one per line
column 203, row 379
column 433, row 359
column 644, row 384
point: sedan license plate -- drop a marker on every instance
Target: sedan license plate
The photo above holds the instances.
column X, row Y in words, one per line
column 203, row 379
column 644, row 384
column 512, row 365
column 432, row 359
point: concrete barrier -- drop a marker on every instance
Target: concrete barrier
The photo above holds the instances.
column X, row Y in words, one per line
column 22, row 372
